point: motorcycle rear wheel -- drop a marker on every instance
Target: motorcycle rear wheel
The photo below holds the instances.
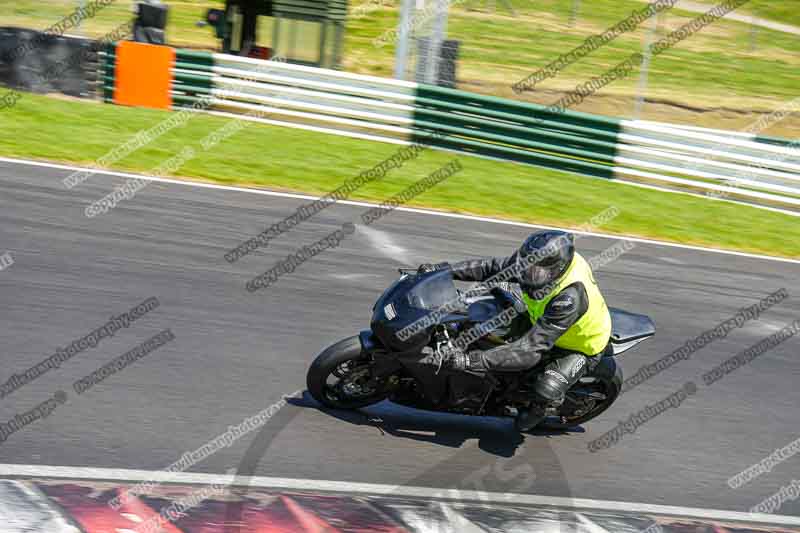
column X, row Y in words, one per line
column 346, row 362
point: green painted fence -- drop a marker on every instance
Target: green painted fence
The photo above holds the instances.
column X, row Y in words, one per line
column 758, row 169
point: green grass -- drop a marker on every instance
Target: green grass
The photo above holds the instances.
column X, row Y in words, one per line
column 711, row 67
column 292, row 159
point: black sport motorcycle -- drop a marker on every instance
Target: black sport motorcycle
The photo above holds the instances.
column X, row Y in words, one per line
column 393, row 361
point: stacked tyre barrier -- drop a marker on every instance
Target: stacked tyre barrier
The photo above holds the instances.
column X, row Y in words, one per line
column 49, row 64
column 721, row 164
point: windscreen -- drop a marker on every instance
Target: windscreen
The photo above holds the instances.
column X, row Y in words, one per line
column 433, row 292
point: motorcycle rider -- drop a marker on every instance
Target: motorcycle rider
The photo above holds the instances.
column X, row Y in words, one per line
column 568, row 320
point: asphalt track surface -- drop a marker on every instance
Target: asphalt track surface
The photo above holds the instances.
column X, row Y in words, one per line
column 236, row 353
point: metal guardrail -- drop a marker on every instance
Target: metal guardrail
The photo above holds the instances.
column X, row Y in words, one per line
column 722, row 164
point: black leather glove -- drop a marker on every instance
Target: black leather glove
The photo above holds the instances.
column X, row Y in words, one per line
column 508, row 299
column 430, row 267
column 472, row 361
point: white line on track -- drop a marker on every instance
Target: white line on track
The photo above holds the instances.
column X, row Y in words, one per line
column 125, row 475
column 404, row 209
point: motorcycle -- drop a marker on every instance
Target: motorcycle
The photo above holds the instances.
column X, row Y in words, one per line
column 416, row 321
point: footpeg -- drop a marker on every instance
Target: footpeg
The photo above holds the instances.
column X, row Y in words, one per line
column 529, row 417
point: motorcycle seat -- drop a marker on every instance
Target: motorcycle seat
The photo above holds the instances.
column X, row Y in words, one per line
column 627, row 327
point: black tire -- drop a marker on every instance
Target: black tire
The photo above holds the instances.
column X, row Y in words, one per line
column 610, row 375
column 324, row 365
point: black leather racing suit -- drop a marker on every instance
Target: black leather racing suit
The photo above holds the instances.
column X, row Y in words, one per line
column 563, row 310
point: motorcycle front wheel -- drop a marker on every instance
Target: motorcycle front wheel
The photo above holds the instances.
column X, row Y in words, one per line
column 341, row 377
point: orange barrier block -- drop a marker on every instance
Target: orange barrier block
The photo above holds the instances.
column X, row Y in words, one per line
column 144, row 75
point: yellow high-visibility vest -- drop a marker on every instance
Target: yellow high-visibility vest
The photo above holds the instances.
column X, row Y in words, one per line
column 590, row 334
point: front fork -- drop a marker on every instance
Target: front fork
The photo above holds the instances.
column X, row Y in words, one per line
column 383, row 365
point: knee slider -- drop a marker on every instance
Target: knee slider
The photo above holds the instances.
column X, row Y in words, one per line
column 552, row 386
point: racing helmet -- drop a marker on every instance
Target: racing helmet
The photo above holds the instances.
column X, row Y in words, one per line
column 544, row 257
